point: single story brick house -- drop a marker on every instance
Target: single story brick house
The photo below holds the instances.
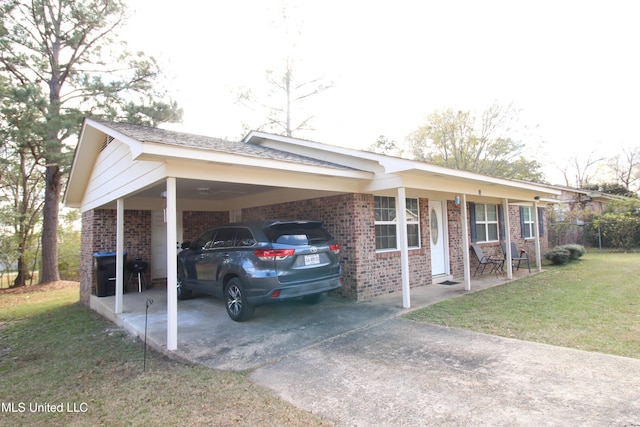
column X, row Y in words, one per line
column 400, row 223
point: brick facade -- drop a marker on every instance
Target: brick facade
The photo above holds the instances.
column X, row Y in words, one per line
column 515, row 230
column 99, row 235
column 349, row 217
column 195, row 222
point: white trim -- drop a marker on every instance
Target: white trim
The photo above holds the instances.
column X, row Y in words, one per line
column 404, row 250
column 119, row 255
column 507, row 239
column 536, row 229
column 465, row 243
column 172, row 266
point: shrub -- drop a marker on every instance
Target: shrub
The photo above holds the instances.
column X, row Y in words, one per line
column 611, row 230
column 558, row 256
column 576, row 251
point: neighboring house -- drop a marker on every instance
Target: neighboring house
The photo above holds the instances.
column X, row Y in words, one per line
column 576, row 199
column 572, row 207
column 400, row 223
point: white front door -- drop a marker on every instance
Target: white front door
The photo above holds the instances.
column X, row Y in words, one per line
column 439, row 237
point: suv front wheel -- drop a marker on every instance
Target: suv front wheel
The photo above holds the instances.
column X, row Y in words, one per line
column 237, row 306
column 182, row 292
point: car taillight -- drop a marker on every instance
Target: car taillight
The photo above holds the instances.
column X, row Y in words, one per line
column 273, row 254
column 335, row 248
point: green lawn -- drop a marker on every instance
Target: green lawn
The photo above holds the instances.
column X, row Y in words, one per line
column 592, row 304
column 55, row 352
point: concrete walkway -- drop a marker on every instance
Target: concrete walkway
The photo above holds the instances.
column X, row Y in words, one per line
column 360, row 364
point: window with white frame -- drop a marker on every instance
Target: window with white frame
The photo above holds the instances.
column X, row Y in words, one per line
column 486, row 223
column 413, row 223
column 385, row 212
column 527, row 222
column 385, row 216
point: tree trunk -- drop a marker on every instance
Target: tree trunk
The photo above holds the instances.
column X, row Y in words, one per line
column 23, row 273
column 50, row 215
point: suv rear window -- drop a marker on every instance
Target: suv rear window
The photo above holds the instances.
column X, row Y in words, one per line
column 298, row 234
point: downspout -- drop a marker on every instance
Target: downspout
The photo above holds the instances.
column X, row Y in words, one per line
column 404, row 247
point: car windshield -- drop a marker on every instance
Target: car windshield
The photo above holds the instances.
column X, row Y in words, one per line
column 298, row 234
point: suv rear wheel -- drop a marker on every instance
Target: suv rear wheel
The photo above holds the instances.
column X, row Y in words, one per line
column 237, row 306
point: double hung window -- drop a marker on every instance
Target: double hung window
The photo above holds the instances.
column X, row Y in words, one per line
column 386, row 223
column 485, row 223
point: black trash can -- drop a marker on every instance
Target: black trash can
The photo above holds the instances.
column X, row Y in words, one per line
column 105, row 272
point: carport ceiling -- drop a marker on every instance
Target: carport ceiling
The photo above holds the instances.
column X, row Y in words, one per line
column 205, row 190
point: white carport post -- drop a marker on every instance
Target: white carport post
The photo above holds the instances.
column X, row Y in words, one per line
column 404, row 247
column 119, row 255
column 465, row 244
column 172, row 266
column 536, row 227
column 507, row 239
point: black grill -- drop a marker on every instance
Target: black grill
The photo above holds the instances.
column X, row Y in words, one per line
column 137, row 266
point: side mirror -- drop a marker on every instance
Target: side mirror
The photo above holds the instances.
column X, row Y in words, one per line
column 185, row 245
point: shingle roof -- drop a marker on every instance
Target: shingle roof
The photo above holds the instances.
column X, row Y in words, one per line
column 181, row 139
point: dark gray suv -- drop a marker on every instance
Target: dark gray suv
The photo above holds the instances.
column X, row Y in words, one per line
column 254, row 263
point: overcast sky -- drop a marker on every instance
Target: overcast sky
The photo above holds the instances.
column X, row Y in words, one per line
column 571, row 67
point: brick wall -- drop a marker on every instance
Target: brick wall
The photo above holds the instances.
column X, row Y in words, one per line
column 456, row 248
column 350, row 218
column 99, row 235
column 494, row 248
column 196, row 222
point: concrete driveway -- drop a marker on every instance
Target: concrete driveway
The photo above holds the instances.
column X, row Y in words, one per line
column 360, row 364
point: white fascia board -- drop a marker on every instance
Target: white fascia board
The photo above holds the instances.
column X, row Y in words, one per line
column 394, row 165
column 134, row 145
column 265, row 177
column 333, row 153
column 478, row 179
column 155, row 151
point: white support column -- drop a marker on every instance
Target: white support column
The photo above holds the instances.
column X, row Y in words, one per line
column 536, row 227
column 404, row 247
column 172, row 266
column 119, row 255
column 465, row 244
column 507, row 239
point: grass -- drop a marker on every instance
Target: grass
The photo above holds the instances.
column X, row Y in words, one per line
column 55, row 351
column 592, row 304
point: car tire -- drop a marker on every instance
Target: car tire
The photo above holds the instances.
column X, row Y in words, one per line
column 181, row 291
column 312, row 299
column 236, row 301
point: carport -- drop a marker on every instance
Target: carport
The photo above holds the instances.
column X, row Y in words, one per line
column 123, row 166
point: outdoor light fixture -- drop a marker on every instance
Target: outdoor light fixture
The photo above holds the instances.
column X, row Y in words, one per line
column 456, row 202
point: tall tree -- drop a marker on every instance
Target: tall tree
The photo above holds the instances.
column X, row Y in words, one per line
column 461, row 140
column 285, row 95
column 384, row 145
column 577, row 171
column 68, row 50
column 21, row 179
column 280, row 107
column 625, row 167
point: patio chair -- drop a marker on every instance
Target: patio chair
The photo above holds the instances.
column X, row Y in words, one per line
column 516, row 255
column 483, row 261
